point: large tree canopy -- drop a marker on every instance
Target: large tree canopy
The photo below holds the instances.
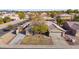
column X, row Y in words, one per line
column 40, row 28
column 76, row 11
column 69, row 11
column 21, row 14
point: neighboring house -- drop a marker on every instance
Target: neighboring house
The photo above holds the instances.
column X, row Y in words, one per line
column 55, row 29
column 44, row 14
column 72, row 33
column 27, row 16
column 47, row 17
column 74, row 14
column 77, row 14
column 72, row 27
column 65, row 16
column 11, row 15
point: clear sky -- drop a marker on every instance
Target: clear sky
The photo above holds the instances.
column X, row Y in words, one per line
column 39, row 4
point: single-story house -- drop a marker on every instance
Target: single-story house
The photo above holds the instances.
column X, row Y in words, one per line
column 65, row 16
column 72, row 27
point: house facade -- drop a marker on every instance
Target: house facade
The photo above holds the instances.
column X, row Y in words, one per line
column 66, row 16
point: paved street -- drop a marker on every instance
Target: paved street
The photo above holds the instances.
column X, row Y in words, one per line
column 13, row 23
column 10, row 23
column 3, row 32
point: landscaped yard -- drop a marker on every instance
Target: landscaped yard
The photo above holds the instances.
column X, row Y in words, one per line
column 37, row 39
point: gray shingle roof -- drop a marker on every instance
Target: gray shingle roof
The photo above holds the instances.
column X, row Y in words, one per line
column 74, row 25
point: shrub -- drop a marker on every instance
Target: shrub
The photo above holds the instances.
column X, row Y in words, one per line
column 10, row 27
column 1, row 21
column 60, row 21
column 6, row 19
column 21, row 15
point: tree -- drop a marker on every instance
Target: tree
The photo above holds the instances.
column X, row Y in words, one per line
column 21, row 15
column 69, row 11
column 6, row 19
column 54, row 13
column 76, row 11
column 40, row 28
column 1, row 21
column 38, row 25
column 76, row 18
column 60, row 21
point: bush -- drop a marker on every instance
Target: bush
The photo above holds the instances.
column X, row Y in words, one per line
column 10, row 27
column 6, row 19
column 76, row 18
column 60, row 21
column 1, row 21
column 21, row 15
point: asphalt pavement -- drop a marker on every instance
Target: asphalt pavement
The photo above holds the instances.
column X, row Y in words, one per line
column 3, row 32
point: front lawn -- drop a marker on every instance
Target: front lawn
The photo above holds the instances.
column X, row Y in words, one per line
column 37, row 39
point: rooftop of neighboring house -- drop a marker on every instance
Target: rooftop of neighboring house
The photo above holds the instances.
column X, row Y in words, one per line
column 44, row 14
column 11, row 15
column 73, row 24
column 53, row 27
column 64, row 14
